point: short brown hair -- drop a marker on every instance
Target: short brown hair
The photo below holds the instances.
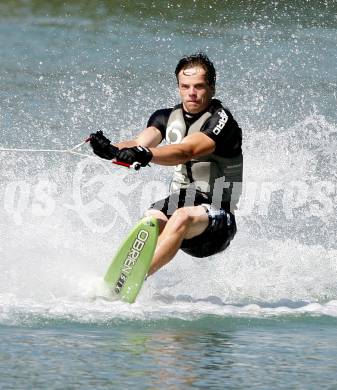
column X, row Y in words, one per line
column 198, row 59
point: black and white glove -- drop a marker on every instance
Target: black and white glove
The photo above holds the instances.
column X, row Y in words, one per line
column 102, row 146
column 138, row 154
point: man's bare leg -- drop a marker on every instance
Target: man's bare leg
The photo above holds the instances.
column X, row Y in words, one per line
column 186, row 222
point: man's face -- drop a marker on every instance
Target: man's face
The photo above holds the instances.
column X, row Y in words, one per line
column 195, row 93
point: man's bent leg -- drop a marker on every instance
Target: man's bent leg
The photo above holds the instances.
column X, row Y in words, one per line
column 185, row 223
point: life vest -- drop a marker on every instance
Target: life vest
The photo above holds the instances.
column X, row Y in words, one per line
column 219, row 177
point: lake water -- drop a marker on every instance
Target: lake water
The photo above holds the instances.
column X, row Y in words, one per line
column 260, row 315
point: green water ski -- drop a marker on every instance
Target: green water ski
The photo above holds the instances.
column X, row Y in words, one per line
column 132, row 261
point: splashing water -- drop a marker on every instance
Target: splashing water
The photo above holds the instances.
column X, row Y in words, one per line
column 62, row 217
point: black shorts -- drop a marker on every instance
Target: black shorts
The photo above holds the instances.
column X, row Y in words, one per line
column 221, row 228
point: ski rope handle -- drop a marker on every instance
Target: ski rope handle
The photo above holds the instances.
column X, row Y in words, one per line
column 136, row 165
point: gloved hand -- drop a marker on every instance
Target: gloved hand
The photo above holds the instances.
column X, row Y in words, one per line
column 102, row 146
column 135, row 154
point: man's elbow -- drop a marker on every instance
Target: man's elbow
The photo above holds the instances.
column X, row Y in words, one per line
column 187, row 154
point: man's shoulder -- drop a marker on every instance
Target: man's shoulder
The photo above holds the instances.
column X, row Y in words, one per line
column 223, row 129
column 159, row 119
column 163, row 112
column 217, row 106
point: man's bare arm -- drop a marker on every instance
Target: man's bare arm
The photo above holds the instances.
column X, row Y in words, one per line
column 192, row 146
column 149, row 137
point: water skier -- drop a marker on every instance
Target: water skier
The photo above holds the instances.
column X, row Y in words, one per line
column 204, row 145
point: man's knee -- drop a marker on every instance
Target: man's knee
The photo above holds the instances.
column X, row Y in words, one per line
column 181, row 218
column 190, row 220
column 182, row 215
